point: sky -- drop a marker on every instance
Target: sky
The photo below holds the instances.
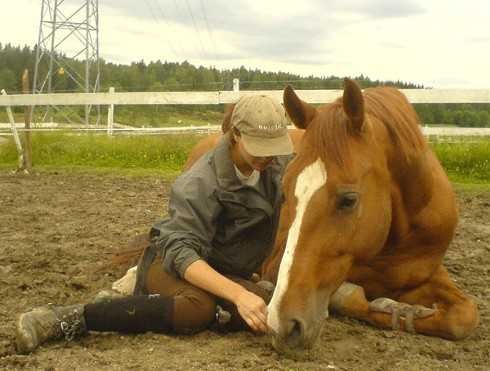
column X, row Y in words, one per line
column 437, row 43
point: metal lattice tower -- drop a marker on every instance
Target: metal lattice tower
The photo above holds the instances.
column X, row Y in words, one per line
column 68, row 29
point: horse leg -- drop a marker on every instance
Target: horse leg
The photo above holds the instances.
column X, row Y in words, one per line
column 456, row 314
column 436, row 307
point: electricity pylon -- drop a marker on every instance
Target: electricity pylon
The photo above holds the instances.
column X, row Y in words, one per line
column 68, row 35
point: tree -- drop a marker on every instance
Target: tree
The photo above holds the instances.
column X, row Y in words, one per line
column 8, row 80
column 483, row 119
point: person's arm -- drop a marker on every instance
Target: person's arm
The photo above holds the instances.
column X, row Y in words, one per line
column 251, row 307
column 185, row 235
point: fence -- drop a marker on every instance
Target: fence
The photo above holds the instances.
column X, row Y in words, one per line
column 112, row 98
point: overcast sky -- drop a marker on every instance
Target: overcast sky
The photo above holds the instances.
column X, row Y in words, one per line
column 438, row 43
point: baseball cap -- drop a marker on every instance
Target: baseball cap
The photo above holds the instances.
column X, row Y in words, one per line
column 262, row 123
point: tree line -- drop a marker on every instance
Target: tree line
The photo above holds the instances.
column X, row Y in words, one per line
column 183, row 76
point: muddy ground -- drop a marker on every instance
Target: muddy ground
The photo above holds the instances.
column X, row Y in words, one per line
column 56, row 230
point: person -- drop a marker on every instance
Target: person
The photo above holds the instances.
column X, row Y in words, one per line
column 222, row 217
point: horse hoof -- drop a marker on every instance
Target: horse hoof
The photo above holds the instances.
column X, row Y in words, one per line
column 222, row 316
column 126, row 284
column 345, row 294
column 267, row 286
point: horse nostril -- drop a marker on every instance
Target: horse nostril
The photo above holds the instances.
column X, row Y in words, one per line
column 295, row 332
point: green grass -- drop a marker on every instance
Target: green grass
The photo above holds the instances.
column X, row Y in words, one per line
column 165, row 155
column 126, row 154
column 465, row 162
column 157, row 116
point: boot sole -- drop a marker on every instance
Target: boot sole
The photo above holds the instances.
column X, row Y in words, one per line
column 26, row 338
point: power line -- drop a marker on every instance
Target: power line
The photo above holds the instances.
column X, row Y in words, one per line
column 195, row 26
column 151, row 11
column 156, row 20
column 208, row 27
column 182, row 17
column 168, row 24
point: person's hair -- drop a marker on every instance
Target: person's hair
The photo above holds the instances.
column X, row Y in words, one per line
column 232, row 137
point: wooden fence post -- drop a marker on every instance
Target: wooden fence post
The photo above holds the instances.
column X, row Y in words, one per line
column 110, row 115
column 27, row 162
column 236, row 85
column 14, row 133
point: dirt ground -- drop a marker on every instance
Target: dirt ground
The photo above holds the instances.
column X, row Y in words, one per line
column 56, row 230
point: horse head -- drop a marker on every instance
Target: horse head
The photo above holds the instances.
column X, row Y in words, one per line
column 337, row 210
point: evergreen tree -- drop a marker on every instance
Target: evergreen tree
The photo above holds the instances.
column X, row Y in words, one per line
column 172, row 76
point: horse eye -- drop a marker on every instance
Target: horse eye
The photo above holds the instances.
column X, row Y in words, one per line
column 347, row 201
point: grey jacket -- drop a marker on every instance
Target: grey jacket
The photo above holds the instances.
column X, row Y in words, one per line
column 214, row 217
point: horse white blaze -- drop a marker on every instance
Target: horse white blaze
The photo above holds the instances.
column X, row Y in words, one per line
column 310, row 180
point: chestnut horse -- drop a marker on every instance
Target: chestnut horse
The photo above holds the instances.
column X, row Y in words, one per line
column 368, row 216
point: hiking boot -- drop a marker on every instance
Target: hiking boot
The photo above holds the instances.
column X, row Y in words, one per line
column 48, row 323
column 107, row 295
column 267, row 286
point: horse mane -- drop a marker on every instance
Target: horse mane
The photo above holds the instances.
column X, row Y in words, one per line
column 226, row 124
column 384, row 105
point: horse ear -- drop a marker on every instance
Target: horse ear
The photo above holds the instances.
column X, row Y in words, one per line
column 301, row 113
column 353, row 103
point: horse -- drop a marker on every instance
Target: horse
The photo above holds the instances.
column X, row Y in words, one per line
column 368, row 215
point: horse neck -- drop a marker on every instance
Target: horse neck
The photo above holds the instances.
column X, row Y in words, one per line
column 411, row 173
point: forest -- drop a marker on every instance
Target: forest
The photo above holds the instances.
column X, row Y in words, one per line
column 183, row 76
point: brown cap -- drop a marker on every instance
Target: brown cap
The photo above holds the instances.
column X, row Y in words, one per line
column 262, row 123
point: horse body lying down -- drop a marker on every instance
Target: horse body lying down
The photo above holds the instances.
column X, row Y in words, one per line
column 368, row 216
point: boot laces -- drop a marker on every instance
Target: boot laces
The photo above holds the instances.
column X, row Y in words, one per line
column 71, row 325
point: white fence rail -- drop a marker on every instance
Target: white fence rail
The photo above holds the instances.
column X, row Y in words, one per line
column 433, row 132
column 121, row 129
column 206, row 129
column 111, row 99
column 455, row 131
column 223, row 97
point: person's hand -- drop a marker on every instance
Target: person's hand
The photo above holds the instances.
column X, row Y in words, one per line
column 253, row 310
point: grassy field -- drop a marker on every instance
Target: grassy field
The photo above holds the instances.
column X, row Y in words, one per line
column 163, row 155
column 464, row 162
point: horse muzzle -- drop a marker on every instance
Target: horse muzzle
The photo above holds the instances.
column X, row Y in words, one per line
column 296, row 334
